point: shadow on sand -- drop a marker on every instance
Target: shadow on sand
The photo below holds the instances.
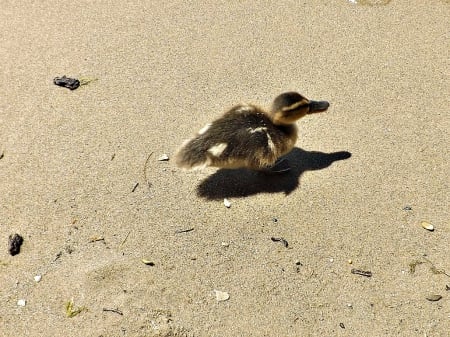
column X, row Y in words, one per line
column 227, row 183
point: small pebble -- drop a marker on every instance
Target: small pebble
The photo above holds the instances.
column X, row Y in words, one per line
column 37, row 278
column 67, row 82
column 225, row 244
column 433, row 298
column 349, row 305
column 427, row 226
column 407, row 208
column 350, row 261
column 227, row 203
column 21, row 303
column 221, row 295
column 15, row 241
column 163, row 157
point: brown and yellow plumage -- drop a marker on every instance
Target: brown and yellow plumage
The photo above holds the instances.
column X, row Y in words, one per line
column 247, row 136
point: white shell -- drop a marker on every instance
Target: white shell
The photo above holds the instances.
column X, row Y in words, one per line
column 433, row 298
column 227, row 203
column 147, row 262
column 221, row 295
column 427, row 226
column 21, row 303
column 37, row 278
column 163, row 157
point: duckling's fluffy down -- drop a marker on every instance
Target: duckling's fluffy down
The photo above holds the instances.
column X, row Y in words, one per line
column 242, row 137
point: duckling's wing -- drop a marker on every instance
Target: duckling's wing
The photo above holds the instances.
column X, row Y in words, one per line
column 240, row 138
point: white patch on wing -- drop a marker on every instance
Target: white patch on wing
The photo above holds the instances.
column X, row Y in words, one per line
column 244, row 108
column 270, row 143
column 204, row 129
column 218, row 149
column 258, row 129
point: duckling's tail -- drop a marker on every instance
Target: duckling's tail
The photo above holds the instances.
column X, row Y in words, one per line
column 192, row 156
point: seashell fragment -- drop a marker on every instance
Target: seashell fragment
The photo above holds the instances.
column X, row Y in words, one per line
column 221, row 295
column 37, row 278
column 148, row 262
column 21, row 303
column 427, row 226
column 227, row 203
column 163, row 157
column 433, row 298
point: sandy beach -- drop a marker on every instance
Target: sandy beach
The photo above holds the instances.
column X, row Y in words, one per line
column 119, row 243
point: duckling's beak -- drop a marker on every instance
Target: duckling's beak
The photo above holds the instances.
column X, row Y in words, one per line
column 318, row 106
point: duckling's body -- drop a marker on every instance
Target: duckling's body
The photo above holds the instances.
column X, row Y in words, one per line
column 247, row 136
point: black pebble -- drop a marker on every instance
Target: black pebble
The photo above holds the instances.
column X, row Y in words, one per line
column 15, row 241
column 67, row 82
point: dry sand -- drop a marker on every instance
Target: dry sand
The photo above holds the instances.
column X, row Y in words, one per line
column 71, row 160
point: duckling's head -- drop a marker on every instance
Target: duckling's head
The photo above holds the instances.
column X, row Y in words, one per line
column 289, row 107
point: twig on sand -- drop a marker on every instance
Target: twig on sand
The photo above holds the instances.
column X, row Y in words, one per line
column 126, row 237
column 179, row 231
column 117, row 311
column 149, row 184
column 433, row 268
column 135, row 186
column 362, row 272
column 282, row 240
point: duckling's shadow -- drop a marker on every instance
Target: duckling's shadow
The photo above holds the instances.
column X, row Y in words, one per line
column 226, row 183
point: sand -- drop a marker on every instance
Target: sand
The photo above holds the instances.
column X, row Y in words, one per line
column 76, row 186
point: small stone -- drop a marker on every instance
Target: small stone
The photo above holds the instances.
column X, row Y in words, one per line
column 221, row 295
column 15, row 241
column 21, row 303
column 163, row 157
column 349, row 305
column 428, row 226
column 350, row 261
column 407, row 208
column 227, row 203
column 225, row 244
column 67, row 82
column 37, row 278
column 433, row 298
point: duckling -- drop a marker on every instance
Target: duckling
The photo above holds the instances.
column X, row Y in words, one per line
column 249, row 137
